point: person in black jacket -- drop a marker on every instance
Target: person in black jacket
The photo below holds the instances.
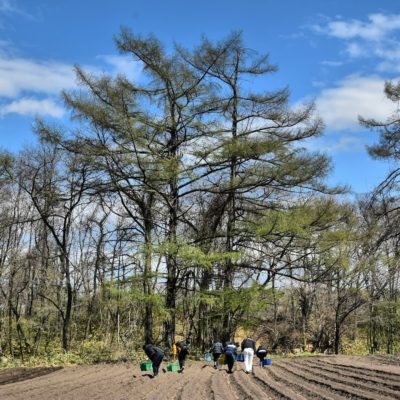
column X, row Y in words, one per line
column 217, row 349
column 248, row 349
column 156, row 356
column 261, row 354
column 183, row 351
column 230, row 352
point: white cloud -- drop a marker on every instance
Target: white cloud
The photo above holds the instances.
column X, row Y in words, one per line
column 32, row 106
column 329, row 63
column 18, row 75
column 355, row 50
column 344, row 144
column 378, row 27
column 8, row 7
column 27, row 82
column 388, row 66
column 389, row 53
column 318, row 84
column 355, row 95
column 337, row 144
column 5, row 46
column 123, row 65
column 378, row 37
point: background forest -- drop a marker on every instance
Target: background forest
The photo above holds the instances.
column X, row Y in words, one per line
column 189, row 205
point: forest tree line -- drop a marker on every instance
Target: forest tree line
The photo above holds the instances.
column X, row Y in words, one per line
column 185, row 203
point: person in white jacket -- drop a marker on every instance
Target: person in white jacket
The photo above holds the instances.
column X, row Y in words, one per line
column 248, row 349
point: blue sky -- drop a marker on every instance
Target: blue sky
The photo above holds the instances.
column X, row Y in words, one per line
column 338, row 53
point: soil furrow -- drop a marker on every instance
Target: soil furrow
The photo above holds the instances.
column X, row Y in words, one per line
column 98, row 389
column 221, row 388
column 170, row 385
column 197, row 388
column 366, row 370
column 21, row 374
column 336, row 376
column 63, row 378
column 272, row 385
column 300, row 386
column 386, row 360
column 145, row 387
column 341, row 388
column 102, row 386
column 322, row 378
column 248, row 390
column 395, row 385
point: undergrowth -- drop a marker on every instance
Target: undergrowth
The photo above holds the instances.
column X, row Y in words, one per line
column 88, row 352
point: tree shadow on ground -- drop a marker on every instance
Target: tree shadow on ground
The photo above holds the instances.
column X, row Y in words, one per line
column 13, row 375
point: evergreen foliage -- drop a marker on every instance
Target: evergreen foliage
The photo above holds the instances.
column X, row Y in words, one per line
column 185, row 204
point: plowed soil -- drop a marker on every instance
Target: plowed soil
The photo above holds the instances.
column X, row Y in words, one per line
column 327, row 377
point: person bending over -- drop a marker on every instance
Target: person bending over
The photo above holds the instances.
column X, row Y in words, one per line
column 261, row 354
column 230, row 352
column 183, row 351
column 156, row 356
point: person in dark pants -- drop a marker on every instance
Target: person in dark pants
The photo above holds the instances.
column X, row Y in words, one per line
column 261, row 354
column 183, row 351
column 217, row 349
column 230, row 352
column 156, row 356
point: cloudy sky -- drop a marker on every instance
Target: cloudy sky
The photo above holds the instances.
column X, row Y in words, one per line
column 338, row 53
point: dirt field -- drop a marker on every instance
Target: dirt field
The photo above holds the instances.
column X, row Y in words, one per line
column 329, row 377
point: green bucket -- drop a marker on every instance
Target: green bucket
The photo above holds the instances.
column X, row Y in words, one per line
column 146, row 366
column 173, row 367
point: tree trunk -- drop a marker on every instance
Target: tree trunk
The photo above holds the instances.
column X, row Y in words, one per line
column 171, row 260
column 231, row 224
column 147, row 285
column 68, row 308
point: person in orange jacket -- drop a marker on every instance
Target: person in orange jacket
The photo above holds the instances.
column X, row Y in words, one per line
column 174, row 351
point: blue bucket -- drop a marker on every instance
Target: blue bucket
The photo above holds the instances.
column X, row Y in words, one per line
column 268, row 361
column 240, row 357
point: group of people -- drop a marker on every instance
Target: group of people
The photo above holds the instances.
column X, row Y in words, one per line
column 228, row 349
column 156, row 355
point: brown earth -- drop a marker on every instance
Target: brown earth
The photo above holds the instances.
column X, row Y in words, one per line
column 325, row 377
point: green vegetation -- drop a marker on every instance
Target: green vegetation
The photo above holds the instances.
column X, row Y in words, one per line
column 186, row 205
